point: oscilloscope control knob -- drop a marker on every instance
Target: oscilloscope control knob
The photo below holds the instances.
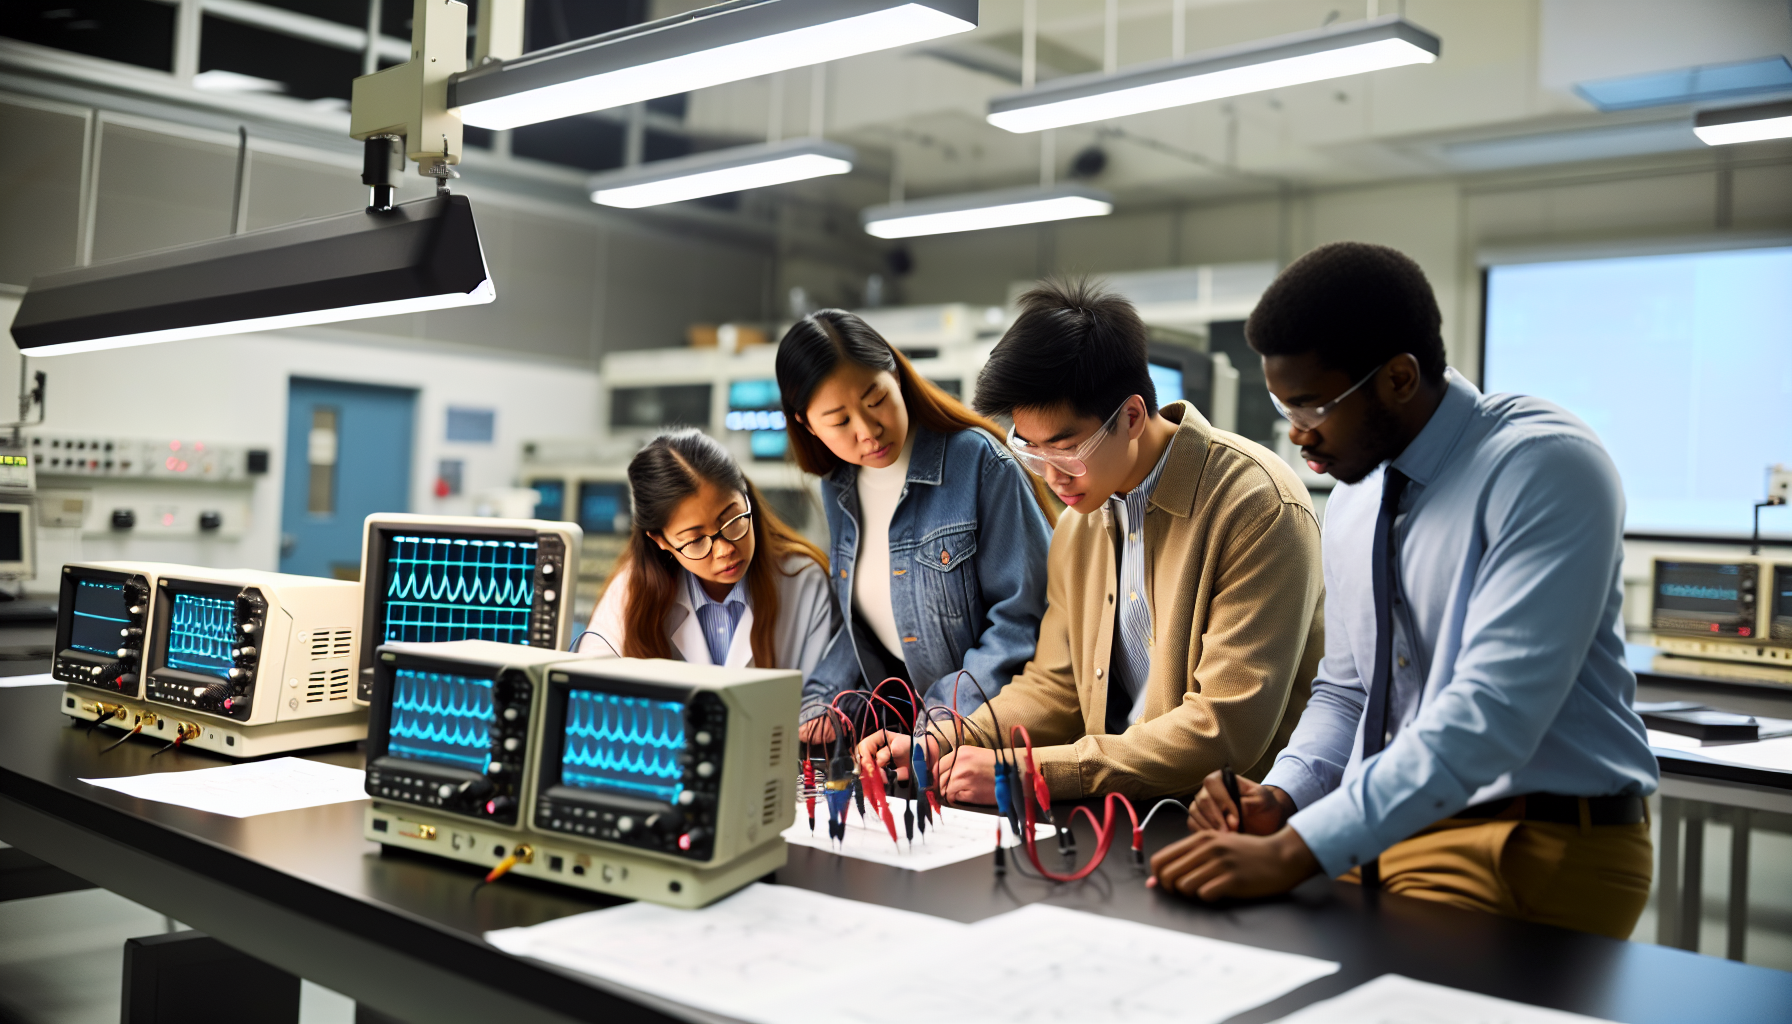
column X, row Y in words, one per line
column 445, row 790
column 247, row 628
column 705, row 769
column 510, row 714
column 547, row 569
column 511, row 743
column 625, row 824
column 702, row 738
column 130, row 632
column 243, row 652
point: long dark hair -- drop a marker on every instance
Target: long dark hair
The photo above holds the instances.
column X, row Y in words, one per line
column 819, row 343
column 671, row 468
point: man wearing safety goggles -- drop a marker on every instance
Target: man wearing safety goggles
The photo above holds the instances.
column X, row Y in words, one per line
column 1183, row 584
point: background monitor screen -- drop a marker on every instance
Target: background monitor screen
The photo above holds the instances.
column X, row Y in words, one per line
column 458, row 588
column 101, row 610
column 1701, row 591
column 603, row 507
column 1680, row 363
column 767, row 445
column 623, row 745
column 550, row 498
column 1168, row 382
column 12, row 535
column 1782, row 602
column 201, row 634
column 660, row 405
column 441, row 718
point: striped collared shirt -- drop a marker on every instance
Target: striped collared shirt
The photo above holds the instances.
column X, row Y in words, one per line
column 1132, row 666
column 718, row 618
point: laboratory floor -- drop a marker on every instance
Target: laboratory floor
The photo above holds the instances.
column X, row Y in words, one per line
column 62, row 959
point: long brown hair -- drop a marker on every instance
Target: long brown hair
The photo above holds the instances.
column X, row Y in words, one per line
column 671, row 468
column 817, row 344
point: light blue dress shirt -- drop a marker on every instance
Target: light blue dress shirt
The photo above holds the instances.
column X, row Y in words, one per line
column 1133, row 667
column 1509, row 673
column 719, row 619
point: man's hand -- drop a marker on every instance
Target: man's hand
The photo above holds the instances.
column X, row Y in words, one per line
column 968, row 776
column 890, row 747
column 818, row 731
column 1214, row 865
column 1265, row 808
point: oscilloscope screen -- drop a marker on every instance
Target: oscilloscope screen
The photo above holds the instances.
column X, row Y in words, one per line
column 458, row 588
column 101, row 610
column 202, row 634
column 441, row 718
column 624, row 745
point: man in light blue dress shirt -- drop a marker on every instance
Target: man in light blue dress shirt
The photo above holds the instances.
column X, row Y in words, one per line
column 1470, row 737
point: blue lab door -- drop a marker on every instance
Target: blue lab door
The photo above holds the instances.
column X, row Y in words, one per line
column 348, row 454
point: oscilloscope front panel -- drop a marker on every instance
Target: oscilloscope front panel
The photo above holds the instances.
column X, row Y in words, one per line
column 1736, row 610
column 254, row 648
column 101, row 623
column 432, row 579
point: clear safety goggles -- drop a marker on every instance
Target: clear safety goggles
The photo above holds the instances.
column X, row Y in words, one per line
column 1306, row 418
column 1071, row 462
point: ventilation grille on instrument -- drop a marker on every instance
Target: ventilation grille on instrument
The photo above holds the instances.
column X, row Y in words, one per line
column 327, row 685
column 332, row 643
column 777, row 745
column 769, row 813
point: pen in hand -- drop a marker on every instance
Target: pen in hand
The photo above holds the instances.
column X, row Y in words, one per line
column 1230, row 778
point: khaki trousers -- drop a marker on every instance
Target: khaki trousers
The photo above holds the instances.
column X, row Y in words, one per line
column 1591, row 878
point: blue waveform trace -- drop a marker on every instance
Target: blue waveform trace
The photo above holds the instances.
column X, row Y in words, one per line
column 201, row 634
column 442, row 588
column 1701, row 593
column 441, row 717
column 626, row 744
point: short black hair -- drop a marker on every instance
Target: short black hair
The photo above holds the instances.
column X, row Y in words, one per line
column 1356, row 306
column 1073, row 343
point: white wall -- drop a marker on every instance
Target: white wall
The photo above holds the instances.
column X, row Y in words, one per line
column 234, row 390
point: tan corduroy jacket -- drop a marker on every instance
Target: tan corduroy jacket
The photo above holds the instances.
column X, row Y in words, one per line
column 1233, row 577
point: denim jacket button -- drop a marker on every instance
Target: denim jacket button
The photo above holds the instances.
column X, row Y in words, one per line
column 945, row 557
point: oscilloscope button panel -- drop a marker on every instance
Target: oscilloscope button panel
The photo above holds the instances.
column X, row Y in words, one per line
column 550, row 573
column 490, row 797
column 688, row 828
column 118, row 673
column 232, row 696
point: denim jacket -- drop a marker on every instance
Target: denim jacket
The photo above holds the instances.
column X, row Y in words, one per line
column 967, row 562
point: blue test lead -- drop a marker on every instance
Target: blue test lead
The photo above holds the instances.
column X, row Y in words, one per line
column 838, row 792
column 918, row 771
column 1004, row 806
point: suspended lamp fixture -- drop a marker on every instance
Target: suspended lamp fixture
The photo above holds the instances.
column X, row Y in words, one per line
column 720, row 171
column 709, row 46
column 979, row 210
column 1350, row 49
column 1745, row 124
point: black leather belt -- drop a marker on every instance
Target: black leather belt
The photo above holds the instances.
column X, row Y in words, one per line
column 1562, row 810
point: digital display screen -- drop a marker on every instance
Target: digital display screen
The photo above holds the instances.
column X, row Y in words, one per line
column 754, row 394
column 101, row 611
column 603, row 507
column 12, row 533
column 458, row 588
column 624, row 745
column 1168, row 382
column 1700, row 589
column 201, row 634
column 661, row 405
column 441, row 718
column 1782, row 602
column 550, row 499
column 768, row 444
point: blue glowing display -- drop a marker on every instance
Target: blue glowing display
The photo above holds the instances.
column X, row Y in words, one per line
column 441, row 718
column 768, row 444
column 201, row 634
column 626, row 745
column 100, row 612
column 458, row 588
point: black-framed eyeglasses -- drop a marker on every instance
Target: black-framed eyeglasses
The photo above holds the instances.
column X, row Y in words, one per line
column 733, row 530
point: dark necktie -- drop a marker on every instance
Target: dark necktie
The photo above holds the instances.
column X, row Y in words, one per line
column 1381, row 581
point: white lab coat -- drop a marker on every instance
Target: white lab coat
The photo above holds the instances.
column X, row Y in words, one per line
column 805, row 621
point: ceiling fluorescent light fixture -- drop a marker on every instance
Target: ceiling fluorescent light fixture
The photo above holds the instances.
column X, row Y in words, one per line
column 709, row 46
column 1351, row 49
column 979, row 210
column 719, row 171
column 1744, row 124
column 414, row 257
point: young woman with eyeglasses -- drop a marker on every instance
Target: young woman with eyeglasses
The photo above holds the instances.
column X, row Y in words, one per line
column 939, row 538
column 711, row 575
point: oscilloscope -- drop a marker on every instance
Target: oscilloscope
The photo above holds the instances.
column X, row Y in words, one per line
column 1728, row 618
column 101, row 620
column 435, row 579
column 651, row 779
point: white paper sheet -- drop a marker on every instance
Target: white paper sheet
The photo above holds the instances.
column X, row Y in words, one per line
column 954, row 836
column 245, row 790
column 767, row 953
column 1392, row 999
column 40, row 679
column 781, row 955
column 1044, row 963
column 1773, row 755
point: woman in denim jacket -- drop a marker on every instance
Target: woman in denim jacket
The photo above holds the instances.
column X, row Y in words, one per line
column 939, row 537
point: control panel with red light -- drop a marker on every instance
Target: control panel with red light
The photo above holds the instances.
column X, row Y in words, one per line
column 1727, row 618
column 172, row 458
